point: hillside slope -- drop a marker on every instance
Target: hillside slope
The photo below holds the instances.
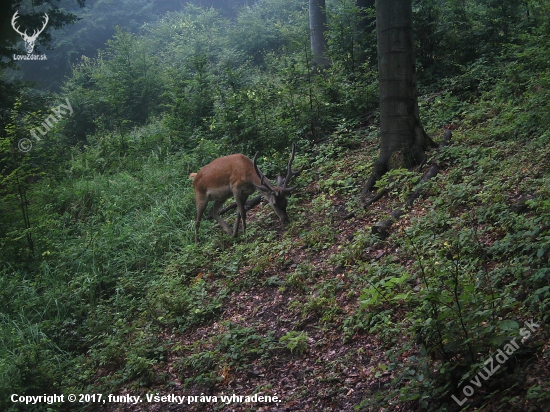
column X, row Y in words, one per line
column 327, row 316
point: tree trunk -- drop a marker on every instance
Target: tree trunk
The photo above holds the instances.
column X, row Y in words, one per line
column 403, row 140
column 317, row 27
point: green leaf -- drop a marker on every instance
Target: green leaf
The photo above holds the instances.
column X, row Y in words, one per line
column 508, row 325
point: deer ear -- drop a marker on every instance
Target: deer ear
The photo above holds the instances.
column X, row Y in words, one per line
column 280, row 181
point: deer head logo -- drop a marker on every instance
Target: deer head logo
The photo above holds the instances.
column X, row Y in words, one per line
column 29, row 40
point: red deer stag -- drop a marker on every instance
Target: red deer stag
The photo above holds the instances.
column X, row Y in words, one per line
column 236, row 175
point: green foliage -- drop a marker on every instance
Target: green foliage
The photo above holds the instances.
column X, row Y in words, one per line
column 474, row 260
column 389, row 289
column 301, row 276
column 113, row 92
column 322, row 302
column 31, row 361
column 353, row 252
column 192, row 101
column 351, row 40
column 242, row 345
column 247, row 91
column 268, row 25
column 233, row 349
column 170, row 302
column 92, row 23
column 398, row 182
column 295, row 341
column 337, row 183
column 454, row 34
column 319, row 237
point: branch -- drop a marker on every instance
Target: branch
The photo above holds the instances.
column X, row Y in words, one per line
column 247, row 206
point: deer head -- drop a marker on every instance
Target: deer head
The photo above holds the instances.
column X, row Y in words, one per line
column 276, row 196
column 29, row 40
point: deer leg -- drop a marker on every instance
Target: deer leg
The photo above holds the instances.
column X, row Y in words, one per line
column 201, row 206
column 216, row 216
column 241, row 213
column 237, row 221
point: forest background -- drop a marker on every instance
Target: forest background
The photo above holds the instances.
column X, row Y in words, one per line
column 105, row 291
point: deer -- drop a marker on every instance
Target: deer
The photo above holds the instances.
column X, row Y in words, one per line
column 29, row 40
column 237, row 176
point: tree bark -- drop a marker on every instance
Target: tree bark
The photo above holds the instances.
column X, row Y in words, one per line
column 403, row 140
column 317, row 28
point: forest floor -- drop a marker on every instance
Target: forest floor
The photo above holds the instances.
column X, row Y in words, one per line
column 330, row 374
column 290, row 322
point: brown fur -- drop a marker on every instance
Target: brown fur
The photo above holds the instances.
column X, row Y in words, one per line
column 232, row 176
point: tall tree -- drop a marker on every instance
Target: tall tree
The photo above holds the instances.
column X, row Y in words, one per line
column 403, row 141
column 317, row 27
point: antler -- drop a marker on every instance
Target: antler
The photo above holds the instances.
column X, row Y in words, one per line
column 15, row 17
column 281, row 183
column 43, row 26
column 36, row 32
column 290, row 172
column 264, row 182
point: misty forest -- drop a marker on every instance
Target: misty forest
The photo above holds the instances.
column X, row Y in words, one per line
column 382, row 243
